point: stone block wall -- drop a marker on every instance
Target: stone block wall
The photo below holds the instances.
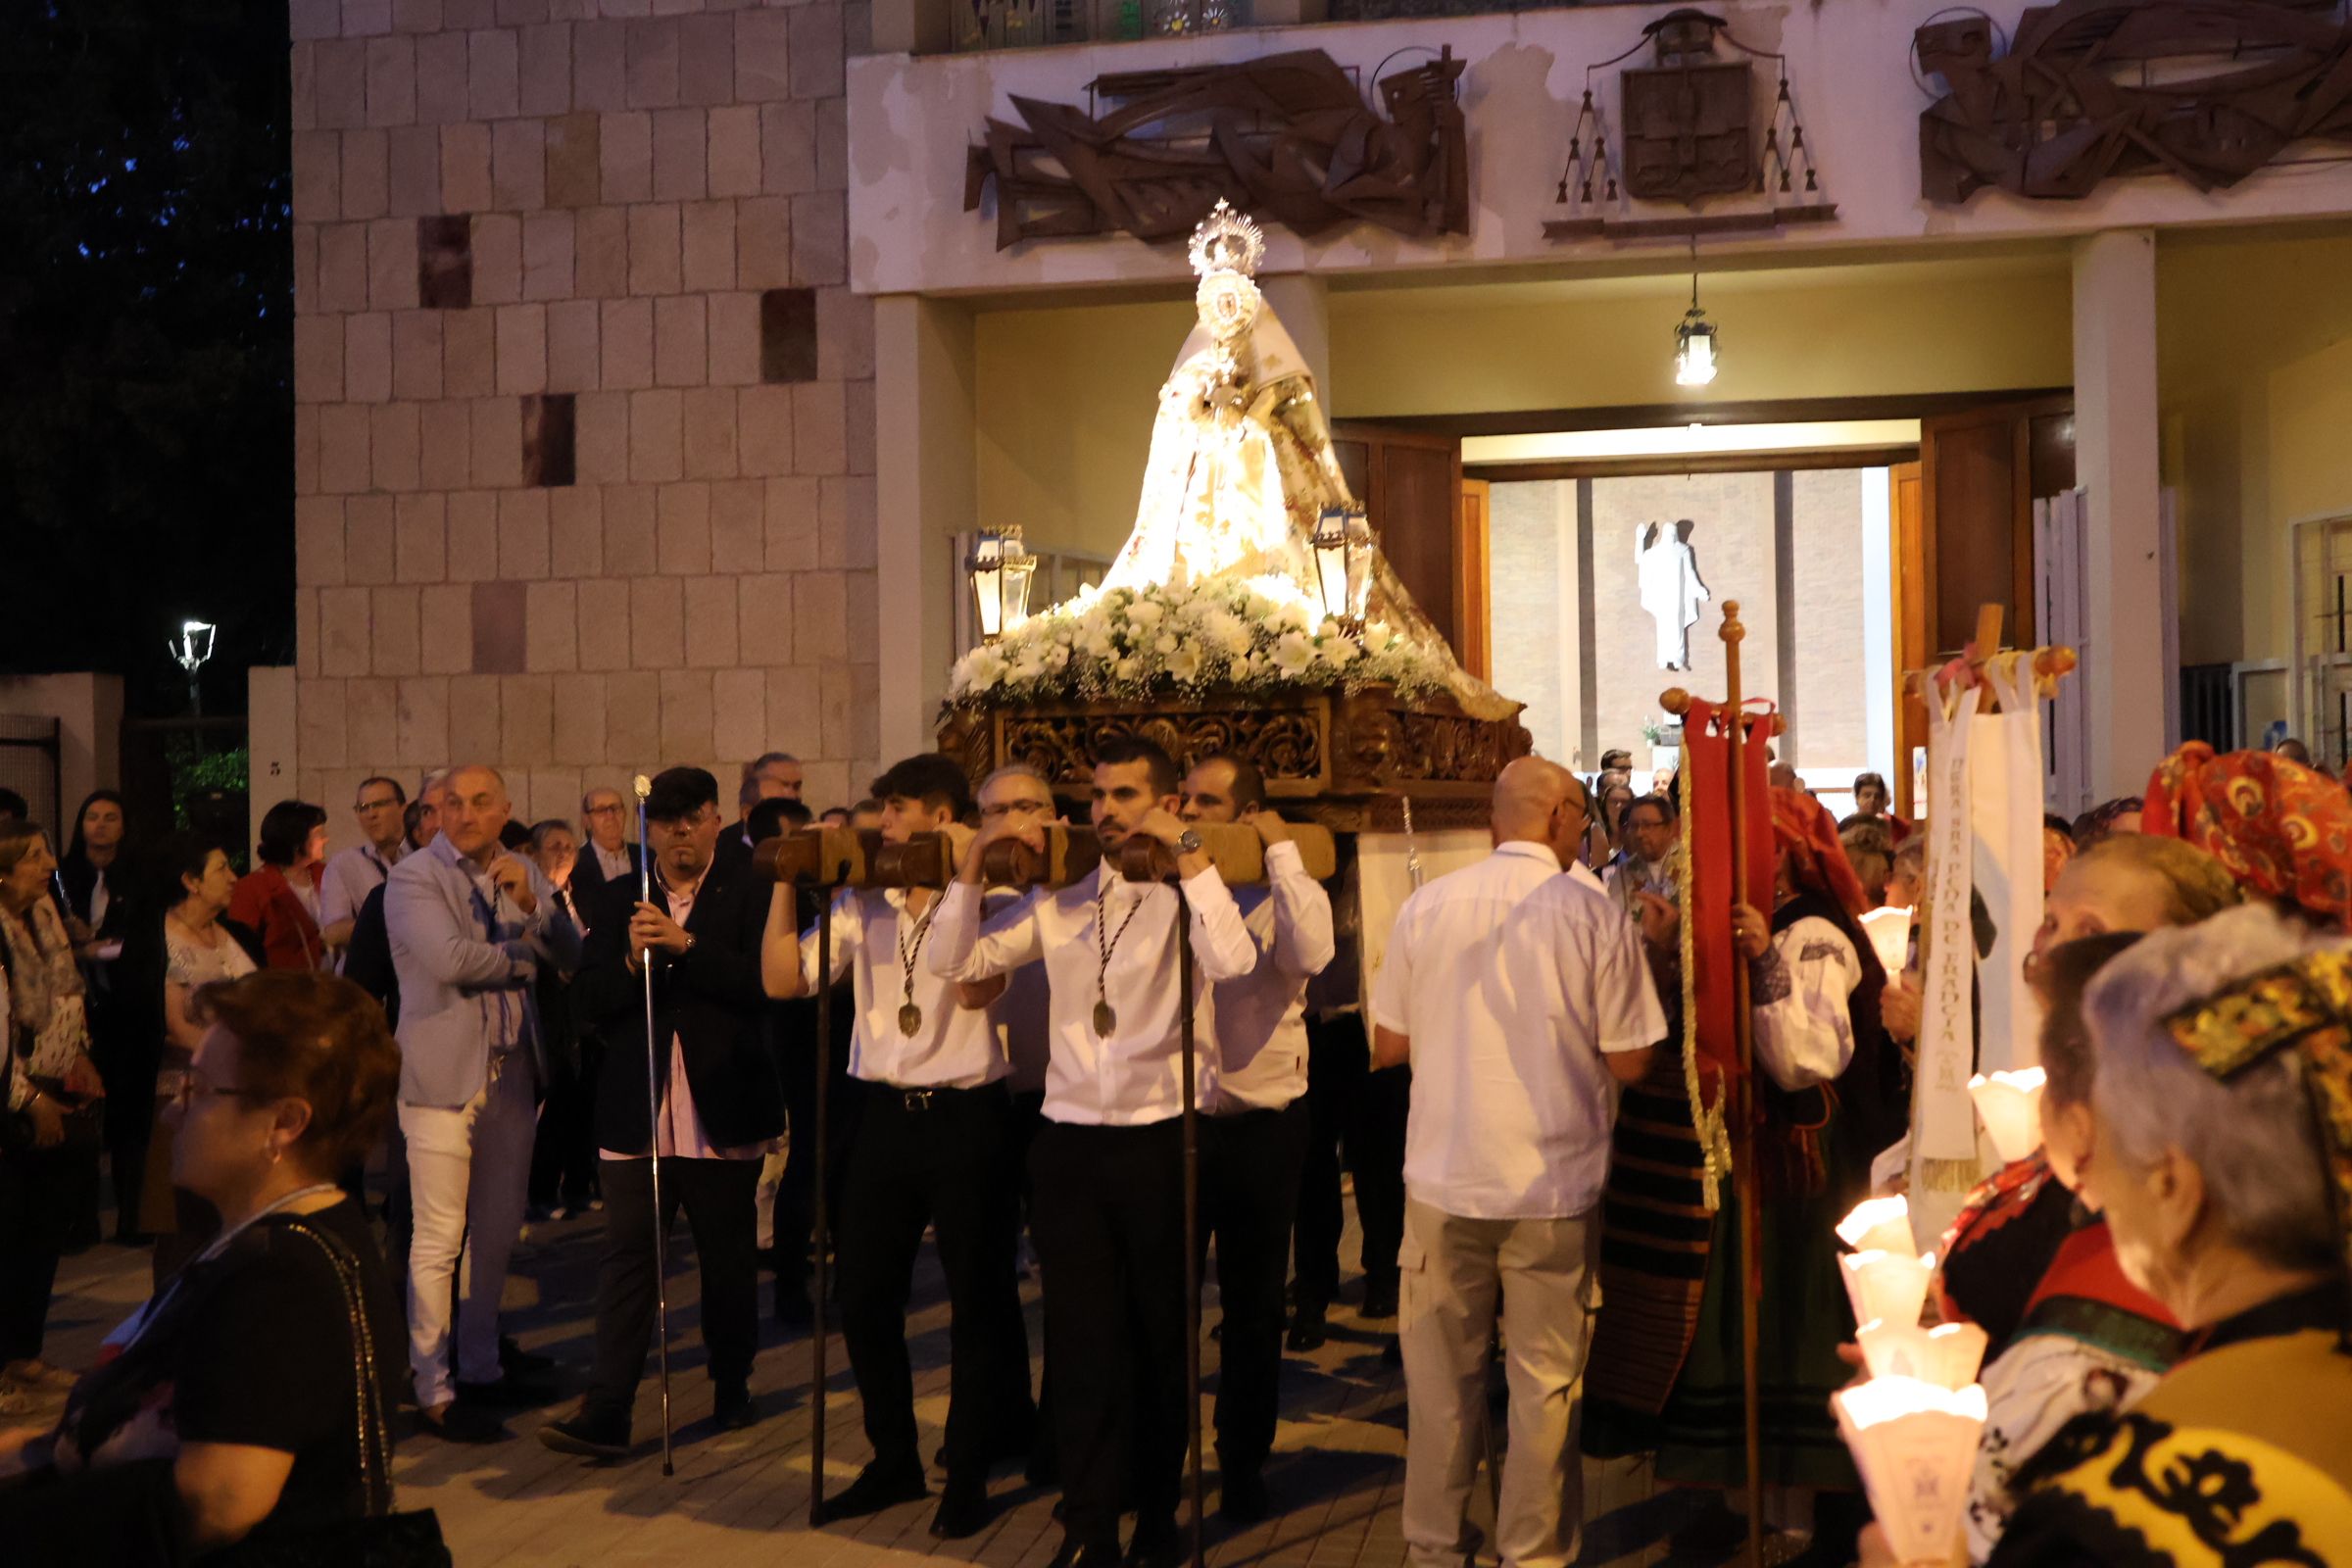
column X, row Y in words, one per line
column 584, row 431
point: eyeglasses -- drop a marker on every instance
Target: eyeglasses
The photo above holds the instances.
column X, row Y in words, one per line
column 187, row 1086
column 1011, row 808
column 387, row 803
column 604, row 811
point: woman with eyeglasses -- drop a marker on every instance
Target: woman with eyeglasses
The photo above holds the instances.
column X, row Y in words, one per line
column 248, row 1401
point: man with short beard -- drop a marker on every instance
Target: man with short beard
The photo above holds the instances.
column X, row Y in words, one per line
column 933, row 1146
column 1107, row 1166
column 1253, row 1144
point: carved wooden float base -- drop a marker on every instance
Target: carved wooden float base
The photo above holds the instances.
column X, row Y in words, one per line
column 1346, row 759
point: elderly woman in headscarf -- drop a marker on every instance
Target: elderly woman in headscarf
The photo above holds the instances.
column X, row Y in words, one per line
column 2221, row 1154
column 2281, row 829
column 1827, row 1091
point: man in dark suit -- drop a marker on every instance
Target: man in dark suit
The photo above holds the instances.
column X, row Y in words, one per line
column 720, row 1100
column 606, row 856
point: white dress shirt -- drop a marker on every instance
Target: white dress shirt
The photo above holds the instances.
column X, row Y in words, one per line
column 1133, row 1077
column 1024, row 1013
column 349, row 876
column 953, row 1048
column 619, row 866
column 1512, row 981
column 1261, row 1015
column 680, row 1129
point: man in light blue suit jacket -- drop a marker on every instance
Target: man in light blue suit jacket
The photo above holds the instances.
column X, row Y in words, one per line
column 469, row 926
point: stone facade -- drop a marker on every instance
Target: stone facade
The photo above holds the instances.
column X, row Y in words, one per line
column 584, row 434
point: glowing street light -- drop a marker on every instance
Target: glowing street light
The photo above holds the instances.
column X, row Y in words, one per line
column 191, row 653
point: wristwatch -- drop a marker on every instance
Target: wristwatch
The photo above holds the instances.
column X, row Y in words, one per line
column 1187, row 842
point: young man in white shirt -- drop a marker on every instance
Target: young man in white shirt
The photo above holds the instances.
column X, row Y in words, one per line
column 1519, row 994
column 933, row 1146
column 1107, row 1166
column 1253, row 1144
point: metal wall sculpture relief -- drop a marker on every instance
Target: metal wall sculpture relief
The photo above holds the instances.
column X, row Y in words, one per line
column 1287, row 139
column 2094, row 89
column 1688, row 131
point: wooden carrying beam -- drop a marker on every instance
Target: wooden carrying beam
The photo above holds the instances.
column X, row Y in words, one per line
column 836, row 857
column 2050, row 665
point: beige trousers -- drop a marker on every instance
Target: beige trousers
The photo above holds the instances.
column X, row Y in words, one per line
column 1455, row 1274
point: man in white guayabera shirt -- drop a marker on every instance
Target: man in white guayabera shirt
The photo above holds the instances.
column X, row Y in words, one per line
column 1518, row 992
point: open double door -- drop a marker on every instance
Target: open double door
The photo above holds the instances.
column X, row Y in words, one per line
column 1963, row 519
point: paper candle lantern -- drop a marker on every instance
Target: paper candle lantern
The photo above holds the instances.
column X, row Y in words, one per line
column 1947, row 1355
column 1915, row 1445
column 1878, row 1224
column 2010, row 1105
column 1886, row 1287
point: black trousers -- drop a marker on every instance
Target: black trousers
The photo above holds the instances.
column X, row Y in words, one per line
column 563, row 1164
column 1353, row 1108
column 1108, row 1222
column 28, row 1252
column 1250, row 1163
column 796, row 1193
column 717, row 1195
column 942, row 1159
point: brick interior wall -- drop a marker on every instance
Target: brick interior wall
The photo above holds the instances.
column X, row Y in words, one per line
column 584, row 405
column 1534, row 528
column 1733, row 541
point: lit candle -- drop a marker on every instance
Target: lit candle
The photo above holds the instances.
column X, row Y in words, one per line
column 2010, row 1105
column 1886, row 1287
column 1916, row 1447
column 1878, row 1224
column 1947, row 1355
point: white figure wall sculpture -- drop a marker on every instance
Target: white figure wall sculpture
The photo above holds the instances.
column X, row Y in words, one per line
column 1671, row 590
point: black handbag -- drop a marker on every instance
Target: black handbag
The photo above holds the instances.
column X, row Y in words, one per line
column 383, row 1539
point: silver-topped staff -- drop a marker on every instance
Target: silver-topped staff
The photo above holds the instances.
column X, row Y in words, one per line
column 652, row 1106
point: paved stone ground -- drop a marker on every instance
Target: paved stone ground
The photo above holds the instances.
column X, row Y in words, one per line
column 743, row 1498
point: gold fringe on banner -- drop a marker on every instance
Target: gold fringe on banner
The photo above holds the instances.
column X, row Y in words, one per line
column 1711, row 1125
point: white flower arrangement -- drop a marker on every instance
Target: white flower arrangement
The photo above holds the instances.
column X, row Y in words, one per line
column 1261, row 634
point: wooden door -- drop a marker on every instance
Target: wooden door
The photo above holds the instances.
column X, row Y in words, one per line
column 1473, row 615
column 1909, row 598
column 1981, row 471
column 1410, row 484
column 1967, row 538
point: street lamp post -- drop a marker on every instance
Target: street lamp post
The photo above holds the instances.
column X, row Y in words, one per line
column 190, row 653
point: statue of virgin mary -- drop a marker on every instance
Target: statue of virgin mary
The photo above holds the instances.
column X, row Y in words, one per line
column 1241, row 468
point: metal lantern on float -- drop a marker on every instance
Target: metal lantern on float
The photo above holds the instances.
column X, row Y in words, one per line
column 1001, row 568
column 1343, row 546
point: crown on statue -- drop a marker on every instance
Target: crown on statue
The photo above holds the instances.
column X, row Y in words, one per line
column 1227, row 242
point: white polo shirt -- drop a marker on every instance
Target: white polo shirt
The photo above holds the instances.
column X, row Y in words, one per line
column 1261, row 1016
column 1131, row 1077
column 1513, row 979
column 953, row 1047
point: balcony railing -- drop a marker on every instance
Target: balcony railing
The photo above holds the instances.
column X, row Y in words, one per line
column 978, row 24
column 1030, row 24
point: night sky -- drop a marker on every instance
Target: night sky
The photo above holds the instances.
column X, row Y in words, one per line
column 146, row 331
